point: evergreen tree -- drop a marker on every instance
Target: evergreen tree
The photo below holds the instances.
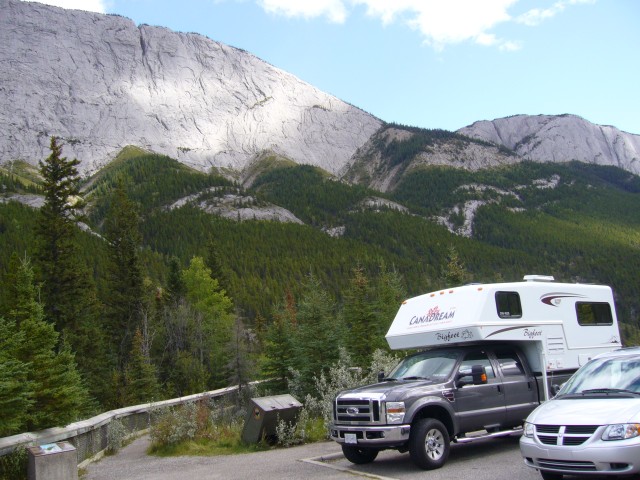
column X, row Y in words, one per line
column 176, row 289
column 454, row 273
column 16, row 391
column 70, row 298
column 141, row 383
column 65, row 283
column 319, row 334
column 360, row 319
column 241, row 366
column 125, row 281
column 388, row 294
column 214, row 262
column 59, row 394
column 279, row 346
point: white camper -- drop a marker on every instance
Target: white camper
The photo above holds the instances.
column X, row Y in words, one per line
column 559, row 326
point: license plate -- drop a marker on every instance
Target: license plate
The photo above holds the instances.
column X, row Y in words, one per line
column 350, row 438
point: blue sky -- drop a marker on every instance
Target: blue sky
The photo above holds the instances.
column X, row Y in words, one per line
column 432, row 63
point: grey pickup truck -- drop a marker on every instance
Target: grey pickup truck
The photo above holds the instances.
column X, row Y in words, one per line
column 438, row 396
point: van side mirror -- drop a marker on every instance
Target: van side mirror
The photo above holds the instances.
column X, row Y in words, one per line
column 478, row 376
column 380, row 376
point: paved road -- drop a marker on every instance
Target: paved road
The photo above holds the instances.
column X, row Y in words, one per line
column 497, row 459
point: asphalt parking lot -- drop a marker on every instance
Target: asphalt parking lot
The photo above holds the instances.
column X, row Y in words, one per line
column 496, row 459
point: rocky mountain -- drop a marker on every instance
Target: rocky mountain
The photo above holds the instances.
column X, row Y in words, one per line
column 561, row 138
column 100, row 83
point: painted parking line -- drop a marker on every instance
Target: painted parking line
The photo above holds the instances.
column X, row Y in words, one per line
column 324, row 461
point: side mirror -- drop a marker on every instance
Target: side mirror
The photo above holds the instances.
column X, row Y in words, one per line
column 478, row 376
column 380, row 376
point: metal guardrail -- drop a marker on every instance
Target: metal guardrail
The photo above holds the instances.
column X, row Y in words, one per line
column 90, row 436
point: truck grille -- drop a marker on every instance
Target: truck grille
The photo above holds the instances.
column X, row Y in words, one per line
column 356, row 411
column 569, row 435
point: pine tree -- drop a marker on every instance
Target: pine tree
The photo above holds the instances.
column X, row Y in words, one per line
column 59, row 394
column 16, row 391
column 454, row 273
column 241, row 365
column 279, row 346
column 141, row 383
column 360, row 319
column 125, row 281
column 319, row 334
column 65, row 283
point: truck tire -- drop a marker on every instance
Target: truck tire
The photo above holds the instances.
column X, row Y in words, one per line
column 359, row 455
column 429, row 443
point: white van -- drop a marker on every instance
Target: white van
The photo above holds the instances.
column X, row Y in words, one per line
column 592, row 426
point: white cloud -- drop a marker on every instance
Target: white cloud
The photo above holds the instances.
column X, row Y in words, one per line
column 439, row 22
column 335, row 10
column 536, row 16
column 87, row 5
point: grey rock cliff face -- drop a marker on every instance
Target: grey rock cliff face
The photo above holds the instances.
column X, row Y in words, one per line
column 100, row 82
column 561, row 138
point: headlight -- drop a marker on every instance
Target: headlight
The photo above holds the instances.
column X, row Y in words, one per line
column 529, row 429
column 621, row 431
column 395, row 412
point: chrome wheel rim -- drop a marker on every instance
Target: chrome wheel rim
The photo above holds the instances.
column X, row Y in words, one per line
column 434, row 444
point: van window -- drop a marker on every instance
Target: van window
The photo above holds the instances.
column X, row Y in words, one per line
column 508, row 305
column 594, row 313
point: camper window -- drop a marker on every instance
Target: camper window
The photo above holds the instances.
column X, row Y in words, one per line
column 508, row 305
column 594, row 313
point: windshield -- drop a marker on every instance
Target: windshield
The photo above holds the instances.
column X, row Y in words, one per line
column 622, row 373
column 430, row 365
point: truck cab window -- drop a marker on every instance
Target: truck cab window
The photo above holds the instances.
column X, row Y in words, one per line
column 476, row 358
column 508, row 305
column 510, row 363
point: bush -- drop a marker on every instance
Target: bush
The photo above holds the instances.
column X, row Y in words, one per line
column 14, row 465
column 172, row 425
column 116, row 435
column 341, row 377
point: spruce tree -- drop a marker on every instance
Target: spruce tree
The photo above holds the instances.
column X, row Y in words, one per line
column 141, row 382
column 16, row 391
column 454, row 272
column 59, row 394
column 68, row 291
column 125, row 281
column 319, row 334
column 279, row 346
column 360, row 320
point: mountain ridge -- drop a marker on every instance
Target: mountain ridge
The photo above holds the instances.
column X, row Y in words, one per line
column 101, row 83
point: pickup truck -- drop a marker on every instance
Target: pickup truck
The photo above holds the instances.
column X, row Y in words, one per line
column 488, row 355
column 435, row 397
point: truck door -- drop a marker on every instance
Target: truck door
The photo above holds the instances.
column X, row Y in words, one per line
column 479, row 406
column 520, row 391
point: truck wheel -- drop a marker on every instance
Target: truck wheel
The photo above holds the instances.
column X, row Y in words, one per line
column 429, row 443
column 550, row 475
column 358, row 455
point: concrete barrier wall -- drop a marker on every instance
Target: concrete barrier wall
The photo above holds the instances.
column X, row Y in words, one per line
column 90, row 436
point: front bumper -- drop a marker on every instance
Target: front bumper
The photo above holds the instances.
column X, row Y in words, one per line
column 597, row 457
column 385, row 436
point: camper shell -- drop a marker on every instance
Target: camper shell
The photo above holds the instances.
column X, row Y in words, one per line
column 559, row 326
column 486, row 355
